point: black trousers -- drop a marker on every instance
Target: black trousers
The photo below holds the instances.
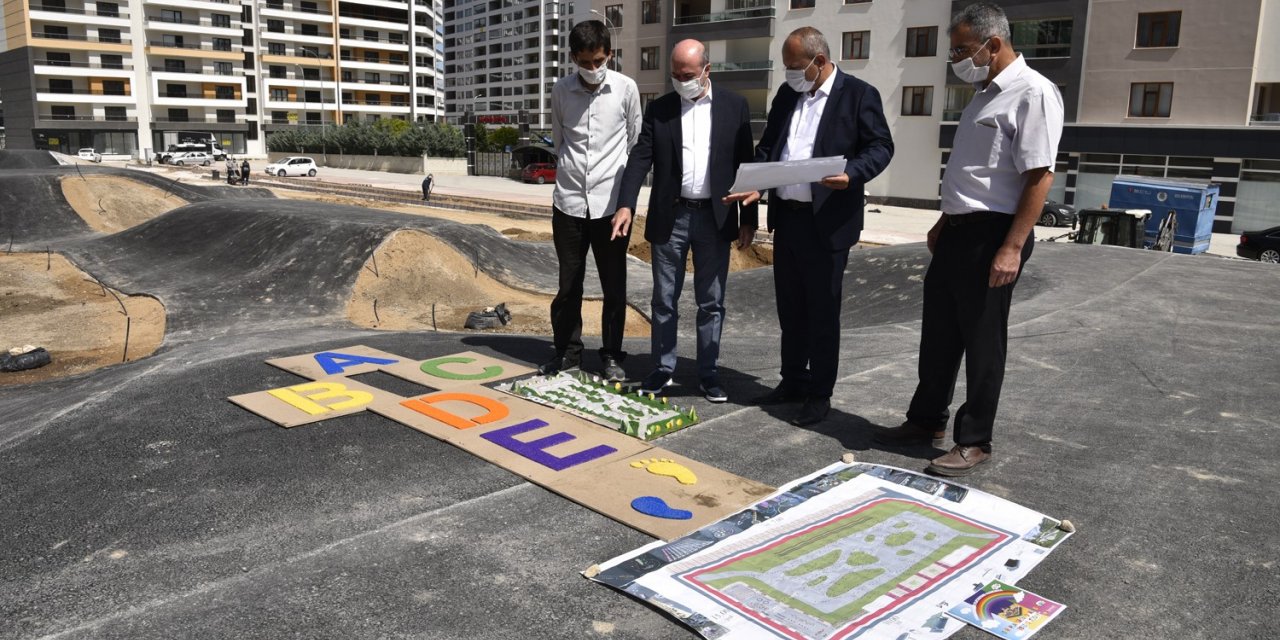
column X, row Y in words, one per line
column 808, row 282
column 573, row 237
column 964, row 317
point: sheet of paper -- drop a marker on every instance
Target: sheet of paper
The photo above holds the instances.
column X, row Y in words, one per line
column 757, row 176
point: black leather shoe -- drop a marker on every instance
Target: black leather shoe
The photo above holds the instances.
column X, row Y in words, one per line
column 558, row 364
column 911, row 434
column 655, row 382
column 783, row 394
column 814, row 411
column 613, row 371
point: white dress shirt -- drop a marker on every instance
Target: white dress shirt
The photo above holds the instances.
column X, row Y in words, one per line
column 1009, row 128
column 802, row 131
column 592, row 133
column 695, row 133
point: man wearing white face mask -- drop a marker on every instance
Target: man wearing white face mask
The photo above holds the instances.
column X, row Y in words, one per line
column 821, row 112
column 595, row 120
column 693, row 138
column 997, row 176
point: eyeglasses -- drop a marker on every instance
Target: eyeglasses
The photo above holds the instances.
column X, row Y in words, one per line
column 966, row 51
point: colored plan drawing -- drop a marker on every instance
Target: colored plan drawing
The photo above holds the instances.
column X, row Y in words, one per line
column 632, row 413
column 835, row 574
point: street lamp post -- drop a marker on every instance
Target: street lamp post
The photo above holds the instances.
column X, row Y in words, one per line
column 324, row 123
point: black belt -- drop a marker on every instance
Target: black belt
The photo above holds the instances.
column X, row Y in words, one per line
column 973, row 217
column 704, row 203
column 792, row 205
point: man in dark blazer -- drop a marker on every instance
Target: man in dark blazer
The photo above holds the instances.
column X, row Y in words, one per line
column 693, row 138
column 820, row 112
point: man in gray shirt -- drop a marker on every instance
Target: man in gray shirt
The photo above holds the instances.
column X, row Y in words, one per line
column 595, row 120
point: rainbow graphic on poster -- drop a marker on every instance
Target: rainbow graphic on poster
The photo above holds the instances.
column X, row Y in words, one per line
column 1006, row 611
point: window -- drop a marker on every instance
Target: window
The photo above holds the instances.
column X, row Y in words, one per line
column 175, row 90
column 177, row 115
column 1042, row 38
column 646, row 98
column 922, row 42
column 169, row 15
column 279, row 95
column 113, row 88
column 60, row 85
column 857, row 1
column 58, row 58
column 275, row 48
column 309, row 52
column 917, row 101
column 222, row 68
column 275, row 26
column 958, row 97
column 57, row 6
column 109, row 35
column 279, row 117
column 311, row 95
column 221, row 20
column 310, row 74
column 226, row 115
column 802, row 4
column 112, row 61
column 372, row 78
column 62, row 112
column 309, row 29
column 224, row 92
column 1159, row 29
column 650, row 12
column 115, row 114
column 308, row 7
column 857, row 45
column 613, row 16
column 313, row 118
column 649, row 59
column 109, row 9
column 615, row 63
column 275, row 71
column 371, row 56
column 1150, row 99
column 373, row 98
column 170, row 40
column 55, row 32
column 175, row 66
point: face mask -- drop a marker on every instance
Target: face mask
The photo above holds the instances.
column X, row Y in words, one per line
column 593, row 76
column 688, row 89
column 797, row 81
column 968, row 71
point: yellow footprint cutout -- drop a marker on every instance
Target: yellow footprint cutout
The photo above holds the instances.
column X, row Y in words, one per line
column 667, row 467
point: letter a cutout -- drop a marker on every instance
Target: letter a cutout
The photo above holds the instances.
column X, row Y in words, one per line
column 495, row 410
column 333, row 362
column 305, row 397
column 536, row 450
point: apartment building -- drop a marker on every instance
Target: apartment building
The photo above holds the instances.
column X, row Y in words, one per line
column 131, row 76
column 502, row 57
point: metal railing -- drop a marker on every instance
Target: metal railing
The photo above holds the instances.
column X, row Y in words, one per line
column 80, row 12
column 195, row 47
column 1265, row 120
column 80, row 38
column 55, row 117
column 84, row 65
column 755, row 65
column 725, row 16
column 83, row 92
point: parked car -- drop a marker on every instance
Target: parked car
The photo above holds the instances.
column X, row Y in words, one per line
column 191, row 157
column 90, row 155
column 1260, row 245
column 292, row 166
column 1056, row 214
column 539, row 172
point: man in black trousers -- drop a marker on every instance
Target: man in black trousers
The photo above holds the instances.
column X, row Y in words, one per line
column 693, row 138
column 820, row 112
column 997, row 178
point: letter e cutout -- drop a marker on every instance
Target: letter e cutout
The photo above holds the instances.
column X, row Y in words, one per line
column 536, row 450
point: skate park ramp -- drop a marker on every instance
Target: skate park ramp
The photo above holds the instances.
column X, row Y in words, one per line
column 1139, row 398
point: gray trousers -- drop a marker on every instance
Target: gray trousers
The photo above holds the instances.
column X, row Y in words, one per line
column 694, row 229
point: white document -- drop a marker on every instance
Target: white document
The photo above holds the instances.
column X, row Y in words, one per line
column 758, row 176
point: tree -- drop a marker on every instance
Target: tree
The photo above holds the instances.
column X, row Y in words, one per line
column 504, row 137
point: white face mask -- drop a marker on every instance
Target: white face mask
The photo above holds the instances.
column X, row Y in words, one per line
column 689, row 89
column 593, row 76
column 968, row 71
column 796, row 79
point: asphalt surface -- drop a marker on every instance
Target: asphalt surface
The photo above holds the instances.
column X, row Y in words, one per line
column 1140, row 402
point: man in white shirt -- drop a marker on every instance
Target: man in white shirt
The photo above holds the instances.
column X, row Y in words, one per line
column 595, row 120
column 694, row 139
column 993, row 189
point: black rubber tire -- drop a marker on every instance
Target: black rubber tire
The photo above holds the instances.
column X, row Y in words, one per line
column 1269, row 255
column 542, row 179
column 1048, row 219
column 311, row 173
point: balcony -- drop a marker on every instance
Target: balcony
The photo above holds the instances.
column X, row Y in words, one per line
column 228, row 51
column 58, row 117
column 73, row 37
column 195, row 25
column 84, row 96
column 271, row 10
column 70, row 15
column 79, row 69
column 700, row 21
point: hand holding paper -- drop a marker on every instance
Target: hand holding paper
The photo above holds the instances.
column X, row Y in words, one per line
column 757, row 176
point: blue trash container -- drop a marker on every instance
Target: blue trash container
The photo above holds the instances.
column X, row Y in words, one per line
column 1192, row 203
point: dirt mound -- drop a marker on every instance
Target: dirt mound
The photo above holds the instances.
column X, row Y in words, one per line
column 113, row 203
column 420, row 282
column 753, row 257
column 46, row 301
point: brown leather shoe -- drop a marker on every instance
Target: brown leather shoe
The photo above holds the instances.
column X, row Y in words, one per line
column 910, row 434
column 960, row 461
